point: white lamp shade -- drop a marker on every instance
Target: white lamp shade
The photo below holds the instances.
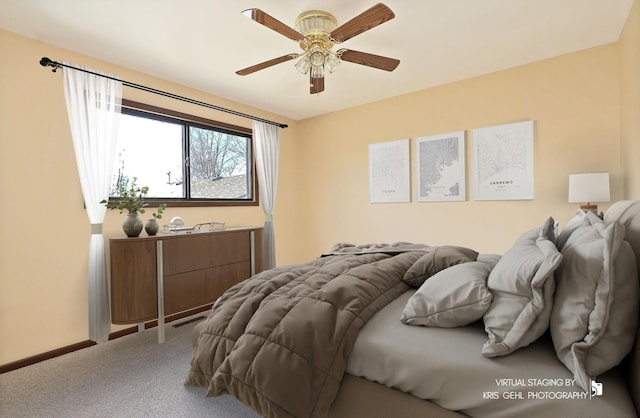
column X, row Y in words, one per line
column 589, row 188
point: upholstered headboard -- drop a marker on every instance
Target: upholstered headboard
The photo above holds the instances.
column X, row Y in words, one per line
column 627, row 212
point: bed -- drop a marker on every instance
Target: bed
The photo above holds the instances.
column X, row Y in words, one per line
column 550, row 328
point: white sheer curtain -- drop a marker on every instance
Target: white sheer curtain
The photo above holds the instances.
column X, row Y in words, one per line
column 93, row 104
column 267, row 140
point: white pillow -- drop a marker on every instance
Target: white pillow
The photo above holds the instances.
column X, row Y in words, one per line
column 522, row 284
column 453, row 297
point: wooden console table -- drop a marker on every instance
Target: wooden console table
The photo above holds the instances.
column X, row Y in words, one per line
column 172, row 272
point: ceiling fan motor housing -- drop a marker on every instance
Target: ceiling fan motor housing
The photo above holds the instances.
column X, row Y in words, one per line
column 316, row 22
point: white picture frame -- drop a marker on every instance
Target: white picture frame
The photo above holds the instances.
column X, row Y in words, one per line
column 503, row 162
column 440, row 167
column 390, row 172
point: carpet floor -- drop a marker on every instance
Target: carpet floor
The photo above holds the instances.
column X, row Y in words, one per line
column 132, row 376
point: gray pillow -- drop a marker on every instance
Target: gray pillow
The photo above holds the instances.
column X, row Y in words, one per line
column 574, row 223
column 522, row 284
column 454, row 297
column 595, row 318
column 436, row 259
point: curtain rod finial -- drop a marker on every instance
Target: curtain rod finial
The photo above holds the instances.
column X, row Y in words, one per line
column 46, row 62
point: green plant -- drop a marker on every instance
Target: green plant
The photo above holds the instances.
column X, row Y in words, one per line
column 130, row 198
column 161, row 208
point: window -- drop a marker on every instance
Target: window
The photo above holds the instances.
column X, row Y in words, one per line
column 183, row 159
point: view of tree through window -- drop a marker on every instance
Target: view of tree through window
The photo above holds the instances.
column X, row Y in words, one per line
column 218, row 164
column 161, row 152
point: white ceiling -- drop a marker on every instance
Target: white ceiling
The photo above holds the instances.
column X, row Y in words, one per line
column 202, row 43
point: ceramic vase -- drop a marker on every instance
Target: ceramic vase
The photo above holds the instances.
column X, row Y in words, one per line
column 132, row 225
column 152, row 226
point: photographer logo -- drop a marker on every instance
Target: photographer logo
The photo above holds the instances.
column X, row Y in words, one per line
column 596, row 388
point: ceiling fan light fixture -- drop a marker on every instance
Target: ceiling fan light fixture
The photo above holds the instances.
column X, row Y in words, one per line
column 304, row 64
column 331, row 62
column 317, row 71
column 317, row 58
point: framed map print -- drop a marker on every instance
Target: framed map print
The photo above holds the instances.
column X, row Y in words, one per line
column 440, row 167
column 389, row 172
column 503, row 162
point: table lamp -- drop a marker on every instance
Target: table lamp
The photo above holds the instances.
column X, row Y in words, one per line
column 589, row 188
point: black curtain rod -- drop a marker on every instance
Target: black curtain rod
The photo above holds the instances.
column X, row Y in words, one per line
column 46, row 62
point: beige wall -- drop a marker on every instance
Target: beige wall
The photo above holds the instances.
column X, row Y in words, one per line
column 575, row 101
column 44, row 228
column 630, row 92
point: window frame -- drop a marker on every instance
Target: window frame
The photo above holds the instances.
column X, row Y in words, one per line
column 186, row 119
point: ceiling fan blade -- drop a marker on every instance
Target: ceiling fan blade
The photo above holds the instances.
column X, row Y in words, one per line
column 368, row 19
column 370, row 60
column 266, row 64
column 273, row 24
column 316, row 85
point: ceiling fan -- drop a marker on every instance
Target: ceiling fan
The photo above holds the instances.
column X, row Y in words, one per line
column 317, row 32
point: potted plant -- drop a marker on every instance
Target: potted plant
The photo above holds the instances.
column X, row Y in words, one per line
column 152, row 225
column 131, row 200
